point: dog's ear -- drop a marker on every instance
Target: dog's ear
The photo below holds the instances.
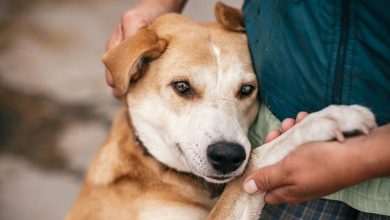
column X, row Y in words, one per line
column 231, row 18
column 125, row 60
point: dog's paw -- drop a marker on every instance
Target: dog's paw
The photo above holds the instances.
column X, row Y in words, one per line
column 337, row 120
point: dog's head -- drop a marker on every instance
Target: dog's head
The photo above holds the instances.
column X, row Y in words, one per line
column 191, row 92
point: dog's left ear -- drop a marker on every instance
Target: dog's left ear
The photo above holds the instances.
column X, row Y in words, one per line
column 231, row 18
column 125, row 60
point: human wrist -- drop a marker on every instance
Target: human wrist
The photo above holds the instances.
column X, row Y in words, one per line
column 367, row 156
column 358, row 165
column 375, row 152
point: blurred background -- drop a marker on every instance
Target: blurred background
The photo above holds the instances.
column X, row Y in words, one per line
column 55, row 107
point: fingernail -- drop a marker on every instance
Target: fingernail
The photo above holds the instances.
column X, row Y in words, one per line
column 250, row 187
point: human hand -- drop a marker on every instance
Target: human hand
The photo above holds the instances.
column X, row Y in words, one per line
column 286, row 125
column 138, row 17
column 320, row 168
column 313, row 170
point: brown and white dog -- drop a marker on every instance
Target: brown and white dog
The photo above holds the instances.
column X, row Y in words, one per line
column 190, row 95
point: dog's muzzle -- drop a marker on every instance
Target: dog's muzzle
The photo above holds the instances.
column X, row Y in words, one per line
column 225, row 157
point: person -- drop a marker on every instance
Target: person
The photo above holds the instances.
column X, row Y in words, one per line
column 308, row 55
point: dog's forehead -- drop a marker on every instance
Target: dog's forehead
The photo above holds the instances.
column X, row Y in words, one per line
column 195, row 46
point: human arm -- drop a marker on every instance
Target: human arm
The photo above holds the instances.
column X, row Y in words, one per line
column 321, row 168
column 137, row 17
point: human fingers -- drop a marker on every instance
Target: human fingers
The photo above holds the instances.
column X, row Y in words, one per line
column 109, row 79
column 110, row 82
column 272, row 135
column 301, row 116
column 131, row 22
column 114, row 40
column 287, row 124
column 280, row 195
column 265, row 179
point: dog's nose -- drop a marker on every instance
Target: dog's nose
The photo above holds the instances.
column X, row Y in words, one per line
column 225, row 157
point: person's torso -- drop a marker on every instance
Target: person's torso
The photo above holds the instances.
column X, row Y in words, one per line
column 310, row 54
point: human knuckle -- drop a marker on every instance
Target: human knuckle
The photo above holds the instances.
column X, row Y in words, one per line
column 288, row 197
column 110, row 43
column 263, row 181
column 272, row 198
column 287, row 167
column 279, row 197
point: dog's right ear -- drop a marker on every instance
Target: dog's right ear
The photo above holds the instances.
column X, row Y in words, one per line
column 231, row 18
column 125, row 60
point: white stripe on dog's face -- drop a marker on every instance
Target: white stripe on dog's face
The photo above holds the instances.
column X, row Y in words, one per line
column 178, row 128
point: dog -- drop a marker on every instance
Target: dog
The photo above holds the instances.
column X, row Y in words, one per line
column 190, row 95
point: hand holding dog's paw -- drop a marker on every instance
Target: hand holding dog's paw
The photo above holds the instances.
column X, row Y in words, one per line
column 318, row 168
column 332, row 123
column 313, row 170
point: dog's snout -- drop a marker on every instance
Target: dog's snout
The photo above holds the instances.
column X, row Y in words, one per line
column 226, row 157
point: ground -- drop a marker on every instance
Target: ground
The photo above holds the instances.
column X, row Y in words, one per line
column 55, row 108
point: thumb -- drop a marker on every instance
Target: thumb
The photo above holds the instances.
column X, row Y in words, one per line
column 131, row 22
column 131, row 28
column 265, row 179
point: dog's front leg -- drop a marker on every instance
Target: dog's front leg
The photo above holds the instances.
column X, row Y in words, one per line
column 236, row 204
column 324, row 125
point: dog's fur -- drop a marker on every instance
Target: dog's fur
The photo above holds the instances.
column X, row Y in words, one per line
column 153, row 164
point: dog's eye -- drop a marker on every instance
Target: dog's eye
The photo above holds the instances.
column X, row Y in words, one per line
column 246, row 90
column 182, row 88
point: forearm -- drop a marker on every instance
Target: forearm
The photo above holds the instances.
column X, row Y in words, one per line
column 375, row 152
column 371, row 155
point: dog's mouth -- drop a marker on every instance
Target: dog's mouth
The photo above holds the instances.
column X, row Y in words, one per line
column 218, row 179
